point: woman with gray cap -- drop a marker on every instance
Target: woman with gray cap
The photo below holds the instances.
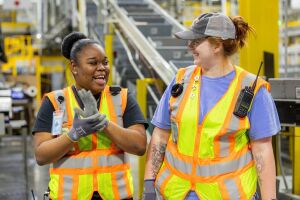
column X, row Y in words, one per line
column 214, row 123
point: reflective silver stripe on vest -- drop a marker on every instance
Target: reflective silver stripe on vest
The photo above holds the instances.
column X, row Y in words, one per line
column 224, row 139
column 103, row 161
column 111, row 160
column 122, row 185
column 161, row 179
column 174, row 129
column 234, row 121
column 178, row 164
column 117, row 101
column 67, row 186
column 61, row 105
column 225, row 167
column 73, row 163
column 232, row 189
column 209, row 170
column 186, row 80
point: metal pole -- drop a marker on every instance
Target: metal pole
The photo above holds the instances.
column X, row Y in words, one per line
column 24, row 135
column 285, row 3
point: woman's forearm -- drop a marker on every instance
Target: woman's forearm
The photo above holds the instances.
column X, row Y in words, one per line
column 265, row 165
column 48, row 149
column 156, row 152
column 132, row 139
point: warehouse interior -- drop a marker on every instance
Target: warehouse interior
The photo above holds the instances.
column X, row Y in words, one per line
column 144, row 56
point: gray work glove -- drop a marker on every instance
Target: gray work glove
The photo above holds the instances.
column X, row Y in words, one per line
column 89, row 103
column 149, row 190
column 84, row 126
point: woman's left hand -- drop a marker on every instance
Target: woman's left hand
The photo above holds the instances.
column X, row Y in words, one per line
column 89, row 103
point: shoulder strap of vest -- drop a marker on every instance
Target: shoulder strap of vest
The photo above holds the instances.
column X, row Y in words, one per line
column 124, row 92
column 249, row 80
column 58, row 100
column 185, row 73
column 119, row 98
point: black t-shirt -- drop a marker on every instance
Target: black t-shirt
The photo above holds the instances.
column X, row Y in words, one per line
column 132, row 114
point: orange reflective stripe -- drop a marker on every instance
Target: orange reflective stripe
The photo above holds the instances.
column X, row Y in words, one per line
column 209, row 178
column 127, row 184
column 180, row 74
column 70, row 116
column 196, row 150
column 268, row 87
column 162, row 179
column 94, row 141
column 52, row 100
column 186, row 95
column 91, row 170
column 196, row 72
column 172, row 148
column 178, row 79
column 223, row 130
column 239, row 186
column 231, row 142
column 68, row 107
column 260, row 83
column 113, row 116
column 96, row 152
column 224, row 191
column 220, row 160
column 115, row 185
column 60, row 187
column 75, row 187
column 95, row 165
column 124, row 99
column 163, row 186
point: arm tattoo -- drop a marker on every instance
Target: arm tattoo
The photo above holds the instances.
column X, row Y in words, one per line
column 260, row 165
column 158, row 154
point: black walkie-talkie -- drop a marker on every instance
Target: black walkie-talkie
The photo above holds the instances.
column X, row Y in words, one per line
column 245, row 98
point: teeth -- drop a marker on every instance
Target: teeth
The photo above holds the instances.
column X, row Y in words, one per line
column 99, row 77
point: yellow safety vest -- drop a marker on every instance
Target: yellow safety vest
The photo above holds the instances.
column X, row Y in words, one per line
column 95, row 163
column 214, row 158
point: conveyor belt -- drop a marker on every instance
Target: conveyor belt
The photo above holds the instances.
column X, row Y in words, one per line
column 149, row 31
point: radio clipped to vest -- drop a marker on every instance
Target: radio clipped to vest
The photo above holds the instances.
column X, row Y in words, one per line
column 245, row 98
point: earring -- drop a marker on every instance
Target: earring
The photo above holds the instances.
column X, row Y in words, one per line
column 74, row 72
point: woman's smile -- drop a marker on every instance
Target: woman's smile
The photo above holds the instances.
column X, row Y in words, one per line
column 100, row 79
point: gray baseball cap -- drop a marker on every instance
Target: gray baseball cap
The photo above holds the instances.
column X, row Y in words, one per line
column 209, row 24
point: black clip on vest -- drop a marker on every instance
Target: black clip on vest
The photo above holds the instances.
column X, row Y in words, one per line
column 114, row 90
column 177, row 89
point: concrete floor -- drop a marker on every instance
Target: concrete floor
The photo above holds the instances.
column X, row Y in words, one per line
column 12, row 170
column 12, row 176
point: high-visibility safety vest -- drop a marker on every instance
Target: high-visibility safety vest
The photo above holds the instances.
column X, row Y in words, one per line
column 95, row 163
column 213, row 158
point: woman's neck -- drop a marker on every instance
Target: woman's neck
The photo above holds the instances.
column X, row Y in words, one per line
column 218, row 69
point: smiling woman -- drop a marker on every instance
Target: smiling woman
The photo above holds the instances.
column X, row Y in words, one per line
column 200, row 148
column 89, row 64
column 90, row 129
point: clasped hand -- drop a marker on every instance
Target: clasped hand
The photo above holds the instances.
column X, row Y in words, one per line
column 89, row 120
